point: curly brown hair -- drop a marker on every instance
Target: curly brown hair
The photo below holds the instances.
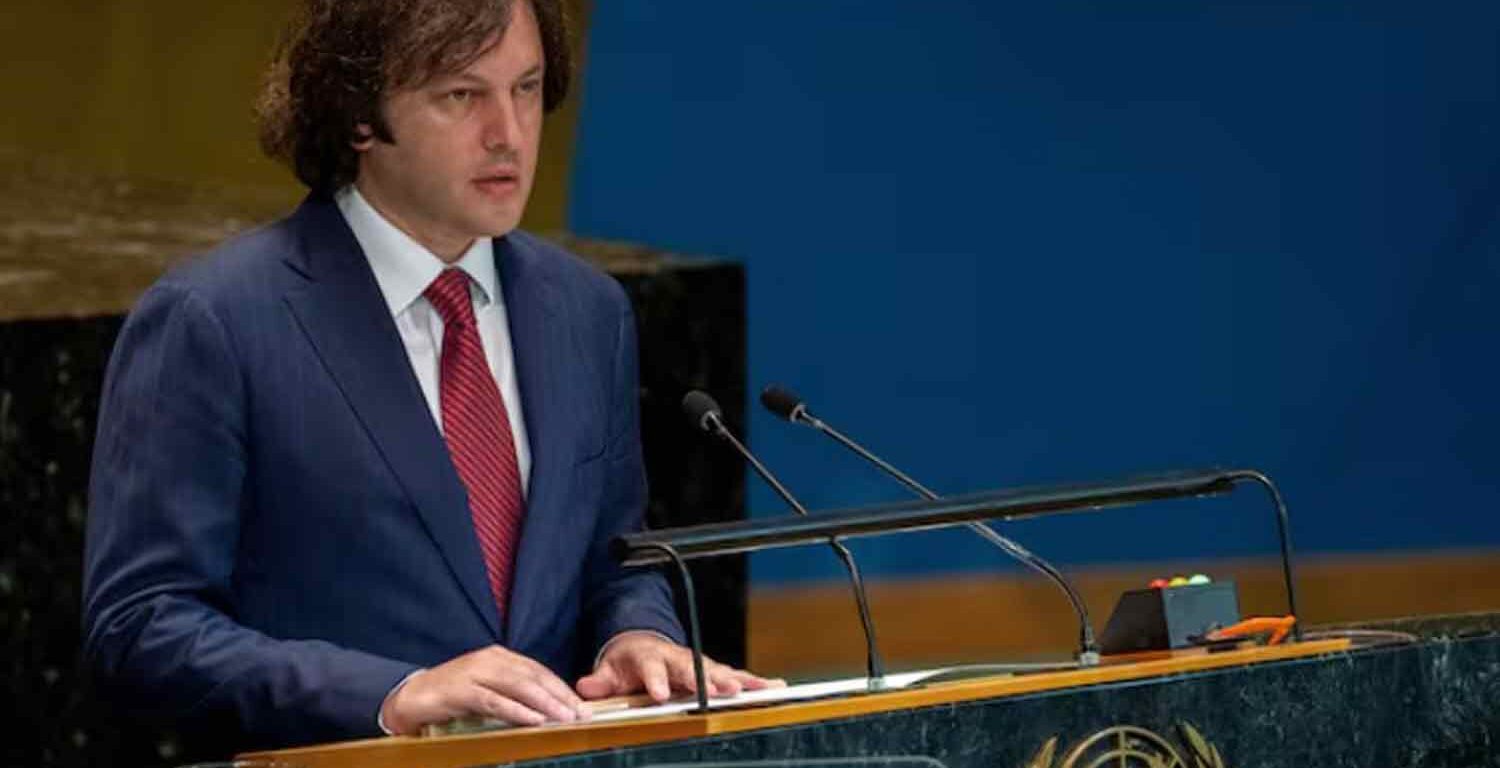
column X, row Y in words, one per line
column 339, row 58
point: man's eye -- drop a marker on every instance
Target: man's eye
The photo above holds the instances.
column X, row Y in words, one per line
column 529, row 86
column 461, row 96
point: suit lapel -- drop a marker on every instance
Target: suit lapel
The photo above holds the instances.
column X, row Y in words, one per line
column 342, row 312
column 541, row 346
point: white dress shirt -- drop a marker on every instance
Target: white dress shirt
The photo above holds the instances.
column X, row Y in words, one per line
column 403, row 270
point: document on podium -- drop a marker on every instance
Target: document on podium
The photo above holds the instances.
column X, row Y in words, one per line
column 768, row 696
column 638, row 707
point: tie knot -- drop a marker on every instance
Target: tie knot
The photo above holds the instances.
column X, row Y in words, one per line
column 449, row 295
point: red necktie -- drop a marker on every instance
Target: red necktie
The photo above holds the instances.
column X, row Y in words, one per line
column 477, row 428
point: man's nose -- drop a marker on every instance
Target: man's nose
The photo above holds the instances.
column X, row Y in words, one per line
column 502, row 127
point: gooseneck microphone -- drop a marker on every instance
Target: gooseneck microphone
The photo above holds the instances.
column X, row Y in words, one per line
column 789, row 406
column 705, row 414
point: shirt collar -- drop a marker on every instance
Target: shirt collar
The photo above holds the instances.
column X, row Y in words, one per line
column 403, row 267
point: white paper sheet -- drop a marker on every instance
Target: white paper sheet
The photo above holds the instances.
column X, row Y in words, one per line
column 801, row 692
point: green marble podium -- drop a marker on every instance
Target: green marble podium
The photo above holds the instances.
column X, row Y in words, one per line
column 1424, row 692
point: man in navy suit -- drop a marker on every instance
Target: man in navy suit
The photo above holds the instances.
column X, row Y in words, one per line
column 357, row 470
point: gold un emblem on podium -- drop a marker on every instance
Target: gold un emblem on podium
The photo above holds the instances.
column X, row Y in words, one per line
column 1128, row 746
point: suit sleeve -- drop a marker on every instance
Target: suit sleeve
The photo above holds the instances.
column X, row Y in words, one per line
column 167, row 492
column 618, row 598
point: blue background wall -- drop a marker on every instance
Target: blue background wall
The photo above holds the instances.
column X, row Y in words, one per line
column 1015, row 243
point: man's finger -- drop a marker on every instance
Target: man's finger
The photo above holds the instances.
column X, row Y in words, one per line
column 486, row 702
column 686, row 679
column 501, row 657
column 502, row 664
column 722, row 681
column 655, row 677
column 560, row 690
column 753, row 682
column 529, row 692
column 603, row 683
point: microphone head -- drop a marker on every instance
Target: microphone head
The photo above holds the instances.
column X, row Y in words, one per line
column 701, row 409
column 782, row 402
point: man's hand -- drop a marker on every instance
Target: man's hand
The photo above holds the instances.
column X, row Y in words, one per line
column 490, row 682
column 637, row 661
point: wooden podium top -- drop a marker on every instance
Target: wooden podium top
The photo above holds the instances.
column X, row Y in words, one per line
column 510, row 745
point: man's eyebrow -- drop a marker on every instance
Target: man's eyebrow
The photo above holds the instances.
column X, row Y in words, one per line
column 448, row 79
column 469, row 78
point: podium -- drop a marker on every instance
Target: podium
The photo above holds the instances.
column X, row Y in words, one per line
column 1359, row 696
column 1335, row 701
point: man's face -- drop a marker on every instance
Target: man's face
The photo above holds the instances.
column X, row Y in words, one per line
column 465, row 147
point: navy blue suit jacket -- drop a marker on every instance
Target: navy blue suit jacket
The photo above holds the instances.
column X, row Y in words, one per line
column 276, row 533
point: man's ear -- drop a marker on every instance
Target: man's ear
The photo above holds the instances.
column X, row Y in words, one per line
column 364, row 137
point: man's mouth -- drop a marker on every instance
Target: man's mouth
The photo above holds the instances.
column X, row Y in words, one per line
column 497, row 183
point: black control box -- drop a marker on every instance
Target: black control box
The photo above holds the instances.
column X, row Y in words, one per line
column 1158, row 619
